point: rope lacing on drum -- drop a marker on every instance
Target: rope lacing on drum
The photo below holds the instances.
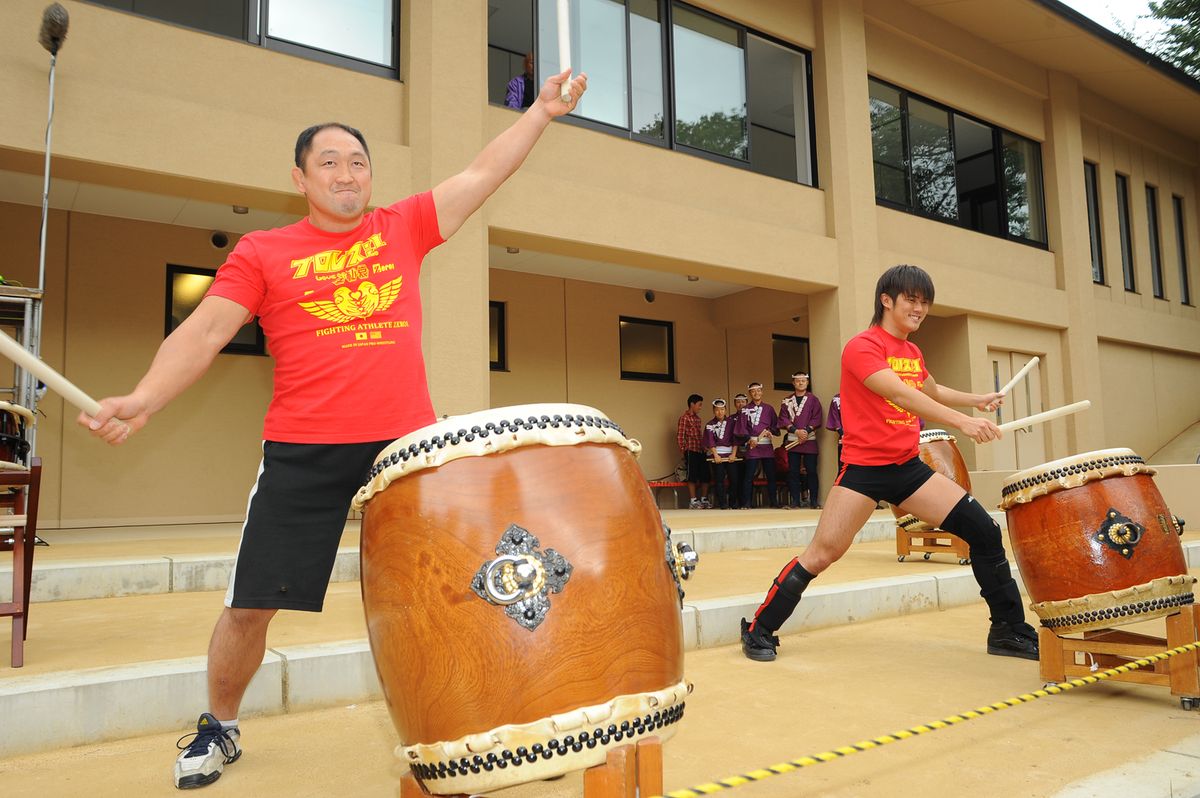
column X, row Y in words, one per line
column 1067, row 470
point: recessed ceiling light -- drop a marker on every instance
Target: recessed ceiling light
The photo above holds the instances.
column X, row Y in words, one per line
column 241, row 209
column 693, row 278
column 513, row 250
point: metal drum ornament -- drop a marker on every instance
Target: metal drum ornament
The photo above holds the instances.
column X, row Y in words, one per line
column 522, row 596
column 1095, row 543
column 939, row 451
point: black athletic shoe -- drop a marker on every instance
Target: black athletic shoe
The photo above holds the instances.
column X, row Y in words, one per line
column 1013, row 640
column 757, row 645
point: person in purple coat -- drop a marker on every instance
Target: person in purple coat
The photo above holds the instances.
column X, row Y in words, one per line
column 520, row 91
column 834, row 422
column 800, row 415
column 722, row 449
column 757, row 423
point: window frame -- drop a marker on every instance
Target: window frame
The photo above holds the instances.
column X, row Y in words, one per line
column 1091, row 187
column 259, row 347
column 1154, row 233
column 501, row 364
column 648, row 376
column 1185, row 287
column 997, row 156
column 1125, row 231
column 780, row 386
column 667, row 43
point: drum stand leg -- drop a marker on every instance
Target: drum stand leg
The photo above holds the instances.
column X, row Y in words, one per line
column 630, row 770
column 930, row 542
column 1109, row 648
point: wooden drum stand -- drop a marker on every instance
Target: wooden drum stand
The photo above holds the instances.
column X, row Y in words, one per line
column 1066, row 657
column 630, row 771
column 920, row 537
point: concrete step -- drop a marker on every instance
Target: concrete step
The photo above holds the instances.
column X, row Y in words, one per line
column 105, row 563
column 95, row 670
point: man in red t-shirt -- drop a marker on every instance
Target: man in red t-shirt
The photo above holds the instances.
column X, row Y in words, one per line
column 337, row 296
column 885, row 389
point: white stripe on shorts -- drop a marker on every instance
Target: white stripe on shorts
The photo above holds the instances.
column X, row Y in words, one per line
column 249, row 500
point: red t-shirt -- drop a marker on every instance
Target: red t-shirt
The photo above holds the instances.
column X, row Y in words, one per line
column 879, row 432
column 342, row 315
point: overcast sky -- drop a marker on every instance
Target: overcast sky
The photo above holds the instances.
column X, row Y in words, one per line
column 1129, row 13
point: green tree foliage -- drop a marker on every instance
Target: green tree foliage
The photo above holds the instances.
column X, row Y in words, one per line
column 1180, row 44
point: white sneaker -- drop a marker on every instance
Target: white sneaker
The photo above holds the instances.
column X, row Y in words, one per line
column 705, row 504
column 203, row 759
column 694, row 504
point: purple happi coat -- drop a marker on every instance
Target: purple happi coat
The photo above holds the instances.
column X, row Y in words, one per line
column 801, row 412
column 757, row 422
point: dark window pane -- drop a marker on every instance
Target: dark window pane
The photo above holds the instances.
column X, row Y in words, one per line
column 226, row 17
column 1156, row 277
column 597, row 48
column 510, row 39
column 646, row 62
column 1023, row 188
column 778, row 111
column 186, row 287
column 497, row 337
column 1126, row 230
column 647, row 349
column 887, row 144
column 1093, row 211
column 710, row 85
column 789, row 354
column 932, row 160
column 975, row 175
column 1185, row 288
column 360, row 29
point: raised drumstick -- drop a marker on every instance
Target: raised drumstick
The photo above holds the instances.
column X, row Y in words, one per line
column 564, row 44
column 1048, row 415
column 1024, row 370
column 55, row 381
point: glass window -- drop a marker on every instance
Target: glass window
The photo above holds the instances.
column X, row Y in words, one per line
column 510, row 43
column 359, row 29
column 710, row 85
column 1156, row 276
column 778, row 91
column 597, row 48
column 1093, row 211
column 1185, row 288
column 186, row 287
column 224, row 17
column 975, row 174
column 887, row 144
column 497, row 337
column 646, row 68
column 1023, row 188
column 932, row 160
column 1126, row 231
column 789, row 354
column 647, row 349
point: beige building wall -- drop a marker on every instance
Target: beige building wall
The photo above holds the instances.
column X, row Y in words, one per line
column 149, row 107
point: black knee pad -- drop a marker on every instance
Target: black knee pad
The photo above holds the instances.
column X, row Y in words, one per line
column 972, row 523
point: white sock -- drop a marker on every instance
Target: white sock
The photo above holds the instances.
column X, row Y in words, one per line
column 228, row 724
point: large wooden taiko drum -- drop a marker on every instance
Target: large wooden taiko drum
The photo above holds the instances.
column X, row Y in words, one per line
column 1095, row 543
column 522, row 596
column 940, row 452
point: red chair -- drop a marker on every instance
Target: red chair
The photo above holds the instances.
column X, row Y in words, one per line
column 20, row 494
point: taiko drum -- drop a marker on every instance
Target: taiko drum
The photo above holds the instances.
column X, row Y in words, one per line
column 939, row 451
column 522, row 596
column 1095, row 543
column 14, row 421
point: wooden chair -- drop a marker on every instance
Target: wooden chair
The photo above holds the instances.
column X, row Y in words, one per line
column 20, row 495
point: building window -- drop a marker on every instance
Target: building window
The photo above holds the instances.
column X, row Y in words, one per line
column 510, row 42
column 186, row 286
column 359, row 34
column 789, row 354
column 1156, row 275
column 942, row 164
column 1093, row 212
column 497, row 336
column 1185, row 288
column 647, row 349
column 1126, row 230
column 668, row 74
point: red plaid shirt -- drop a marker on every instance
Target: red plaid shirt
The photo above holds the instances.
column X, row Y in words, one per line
column 689, row 433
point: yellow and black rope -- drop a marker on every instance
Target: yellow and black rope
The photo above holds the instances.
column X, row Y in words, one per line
column 866, row 745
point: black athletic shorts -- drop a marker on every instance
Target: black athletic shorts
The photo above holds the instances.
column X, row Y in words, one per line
column 697, row 468
column 890, row 483
column 294, row 522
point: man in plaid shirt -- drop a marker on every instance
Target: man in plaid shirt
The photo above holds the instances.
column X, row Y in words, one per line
column 689, row 434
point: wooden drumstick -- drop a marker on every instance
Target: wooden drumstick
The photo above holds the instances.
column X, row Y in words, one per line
column 1048, row 415
column 1024, row 370
column 564, row 44
column 55, row 381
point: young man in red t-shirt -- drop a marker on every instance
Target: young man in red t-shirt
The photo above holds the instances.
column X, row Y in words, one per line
column 337, row 295
column 885, row 388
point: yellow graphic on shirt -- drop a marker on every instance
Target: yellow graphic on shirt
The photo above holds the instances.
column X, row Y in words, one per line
column 361, row 303
column 324, row 265
column 908, row 369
